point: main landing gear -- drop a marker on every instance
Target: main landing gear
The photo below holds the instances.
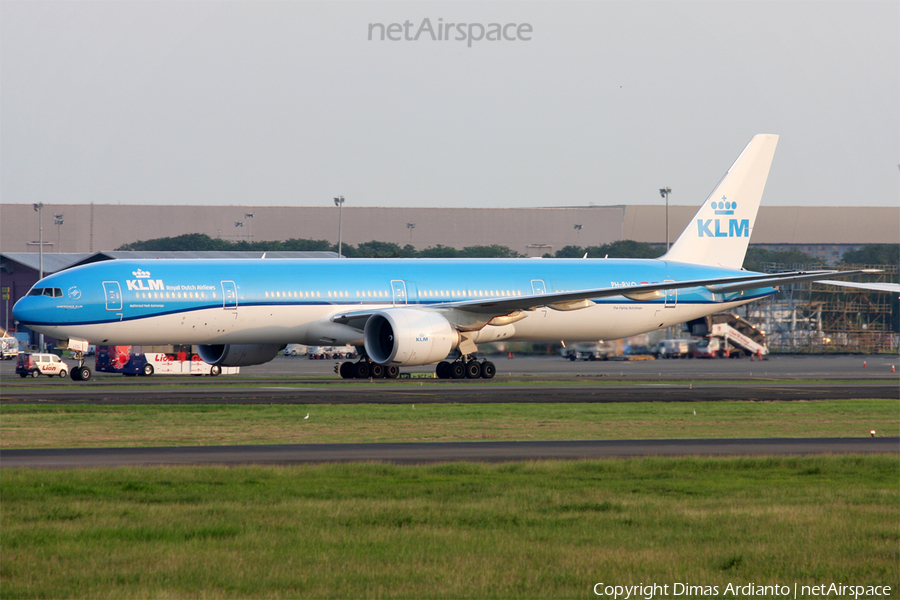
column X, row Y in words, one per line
column 466, row 367
column 365, row 369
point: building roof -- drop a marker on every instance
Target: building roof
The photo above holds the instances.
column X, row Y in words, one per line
column 52, row 262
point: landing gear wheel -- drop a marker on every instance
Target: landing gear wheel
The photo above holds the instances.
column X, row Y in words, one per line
column 377, row 371
column 215, row 370
column 81, row 374
column 473, row 369
column 442, row 370
column 457, row 370
column 347, row 370
column 488, row 370
column 392, row 372
column 361, row 370
column 147, row 370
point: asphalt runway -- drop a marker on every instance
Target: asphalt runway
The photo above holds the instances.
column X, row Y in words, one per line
column 532, row 379
column 541, row 379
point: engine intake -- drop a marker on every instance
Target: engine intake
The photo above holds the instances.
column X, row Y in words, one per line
column 239, row 355
column 408, row 337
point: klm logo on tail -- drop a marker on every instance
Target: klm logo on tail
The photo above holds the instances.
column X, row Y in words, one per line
column 735, row 227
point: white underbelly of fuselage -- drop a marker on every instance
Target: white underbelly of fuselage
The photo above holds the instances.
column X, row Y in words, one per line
column 312, row 324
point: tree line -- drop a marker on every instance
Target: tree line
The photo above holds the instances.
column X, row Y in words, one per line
column 871, row 254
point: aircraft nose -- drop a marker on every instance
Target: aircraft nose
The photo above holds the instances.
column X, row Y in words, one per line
column 27, row 310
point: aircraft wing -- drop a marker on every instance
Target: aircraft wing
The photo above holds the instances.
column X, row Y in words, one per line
column 489, row 308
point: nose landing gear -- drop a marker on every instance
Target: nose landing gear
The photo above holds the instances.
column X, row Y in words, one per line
column 81, row 372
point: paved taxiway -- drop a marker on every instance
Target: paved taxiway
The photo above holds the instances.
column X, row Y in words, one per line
column 286, row 380
column 431, row 452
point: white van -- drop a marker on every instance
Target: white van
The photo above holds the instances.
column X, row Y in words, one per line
column 34, row 365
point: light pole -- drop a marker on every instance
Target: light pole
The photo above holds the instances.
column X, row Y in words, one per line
column 339, row 202
column 58, row 220
column 249, row 217
column 577, row 228
column 39, row 207
column 241, row 225
column 410, row 226
column 664, row 192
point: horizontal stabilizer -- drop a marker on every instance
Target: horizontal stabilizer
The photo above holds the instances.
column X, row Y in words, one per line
column 874, row 286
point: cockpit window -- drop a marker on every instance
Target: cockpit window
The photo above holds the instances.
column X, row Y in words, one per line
column 51, row 292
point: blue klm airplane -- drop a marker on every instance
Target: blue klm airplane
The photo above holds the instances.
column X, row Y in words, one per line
column 404, row 312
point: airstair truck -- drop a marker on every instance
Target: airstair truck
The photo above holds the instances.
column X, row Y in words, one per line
column 726, row 335
column 9, row 346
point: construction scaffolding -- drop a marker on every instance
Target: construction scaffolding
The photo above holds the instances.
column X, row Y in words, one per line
column 815, row 317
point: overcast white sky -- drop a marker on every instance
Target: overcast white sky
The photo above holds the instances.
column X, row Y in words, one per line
column 290, row 103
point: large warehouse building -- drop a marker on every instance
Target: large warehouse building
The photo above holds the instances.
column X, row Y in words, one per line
column 824, row 233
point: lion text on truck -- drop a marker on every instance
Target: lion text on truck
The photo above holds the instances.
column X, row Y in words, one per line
column 147, row 360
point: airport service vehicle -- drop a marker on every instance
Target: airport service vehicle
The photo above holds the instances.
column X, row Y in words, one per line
column 9, row 347
column 597, row 351
column 407, row 312
column 32, row 364
column 677, row 348
column 327, row 352
column 727, row 335
column 149, row 360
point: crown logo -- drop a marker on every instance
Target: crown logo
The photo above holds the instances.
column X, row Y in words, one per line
column 725, row 207
column 141, row 274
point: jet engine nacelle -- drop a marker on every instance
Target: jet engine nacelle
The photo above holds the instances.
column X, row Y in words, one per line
column 239, row 355
column 407, row 337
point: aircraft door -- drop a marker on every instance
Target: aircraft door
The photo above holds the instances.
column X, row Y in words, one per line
column 398, row 290
column 538, row 287
column 113, row 292
column 229, row 295
column 671, row 295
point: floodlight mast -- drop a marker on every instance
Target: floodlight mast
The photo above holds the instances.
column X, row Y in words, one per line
column 58, row 220
column 339, row 202
column 664, row 192
column 249, row 217
column 39, row 208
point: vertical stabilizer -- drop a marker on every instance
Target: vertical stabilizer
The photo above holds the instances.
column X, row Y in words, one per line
column 719, row 233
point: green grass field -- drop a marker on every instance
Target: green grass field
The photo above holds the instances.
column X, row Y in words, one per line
column 35, row 426
column 518, row 530
column 521, row 530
